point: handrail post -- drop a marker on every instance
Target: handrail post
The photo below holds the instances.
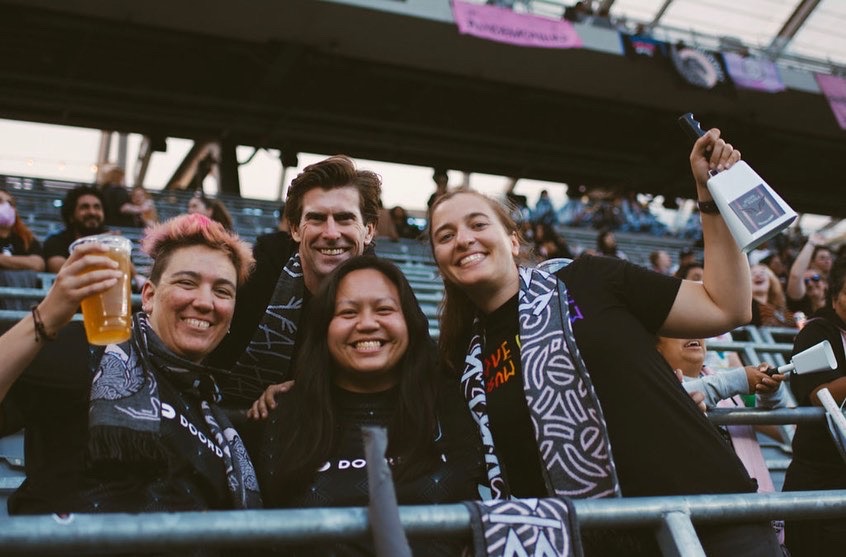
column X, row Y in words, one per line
column 677, row 537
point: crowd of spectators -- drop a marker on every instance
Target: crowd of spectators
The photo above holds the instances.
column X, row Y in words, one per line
column 790, row 283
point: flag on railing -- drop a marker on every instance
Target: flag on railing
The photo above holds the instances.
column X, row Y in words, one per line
column 505, row 26
column 834, row 89
column 640, row 45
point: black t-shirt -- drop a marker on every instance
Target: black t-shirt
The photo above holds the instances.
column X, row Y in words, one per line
column 114, row 197
column 508, row 412
column 14, row 245
column 58, row 244
column 817, row 463
column 342, row 480
column 658, row 435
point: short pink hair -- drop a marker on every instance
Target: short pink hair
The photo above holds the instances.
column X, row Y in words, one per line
column 163, row 239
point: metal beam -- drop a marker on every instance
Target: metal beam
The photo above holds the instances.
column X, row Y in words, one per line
column 660, row 13
column 791, row 27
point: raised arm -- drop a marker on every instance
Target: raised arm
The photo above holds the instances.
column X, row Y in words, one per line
column 796, row 280
column 20, row 344
column 723, row 300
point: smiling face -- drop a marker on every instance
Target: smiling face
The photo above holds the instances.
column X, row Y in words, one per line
column 331, row 230
column 367, row 335
column 686, row 354
column 473, row 249
column 88, row 214
column 191, row 306
column 815, row 286
column 760, row 280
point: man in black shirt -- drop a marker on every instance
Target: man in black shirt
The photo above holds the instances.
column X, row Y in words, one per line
column 82, row 211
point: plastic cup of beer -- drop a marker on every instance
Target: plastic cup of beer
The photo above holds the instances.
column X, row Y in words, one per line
column 107, row 316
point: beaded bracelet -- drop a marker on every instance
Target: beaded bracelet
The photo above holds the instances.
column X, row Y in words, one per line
column 40, row 330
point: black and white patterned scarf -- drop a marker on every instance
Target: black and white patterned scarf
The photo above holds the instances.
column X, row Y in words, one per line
column 566, row 416
column 126, row 410
column 267, row 359
column 518, row 528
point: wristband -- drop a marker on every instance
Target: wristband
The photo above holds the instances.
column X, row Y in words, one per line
column 40, row 330
column 708, row 207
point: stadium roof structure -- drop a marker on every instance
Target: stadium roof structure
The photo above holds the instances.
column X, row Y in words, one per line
column 394, row 80
column 784, row 29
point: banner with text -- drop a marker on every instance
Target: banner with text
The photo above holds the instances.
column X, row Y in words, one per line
column 834, row 89
column 504, row 26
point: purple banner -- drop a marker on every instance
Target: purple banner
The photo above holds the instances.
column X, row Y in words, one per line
column 834, row 89
column 749, row 72
column 504, row 26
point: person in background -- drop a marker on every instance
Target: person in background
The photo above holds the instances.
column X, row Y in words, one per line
column 177, row 451
column 773, row 260
column 686, row 255
column 548, row 244
column 366, row 359
column 82, row 212
column 212, row 208
column 660, row 262
column 769, row 307
column 817, row 463
column 141, row 207
column 723, row 389
column 599, row 315
column 808, row 279
column 691, row 271
column 544, row 212
column 441, row 184
column 606, row 244
column 385, row 225
column 404, row 228
column 117, row 204
column 19, row 248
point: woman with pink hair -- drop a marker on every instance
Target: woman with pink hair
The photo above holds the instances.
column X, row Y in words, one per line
column 155, row 438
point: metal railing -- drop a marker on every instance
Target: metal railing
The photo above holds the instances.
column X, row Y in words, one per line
column 156, row 531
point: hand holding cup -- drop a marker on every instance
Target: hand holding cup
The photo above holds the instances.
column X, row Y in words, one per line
column 107, row 313
column 74, row 282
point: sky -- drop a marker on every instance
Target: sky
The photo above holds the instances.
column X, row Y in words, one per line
column 69, row 153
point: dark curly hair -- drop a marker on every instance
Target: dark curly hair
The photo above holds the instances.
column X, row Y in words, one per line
column 69, row 203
